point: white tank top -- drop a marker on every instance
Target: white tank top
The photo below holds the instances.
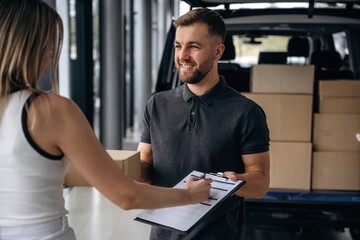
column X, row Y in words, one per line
column 31, row 180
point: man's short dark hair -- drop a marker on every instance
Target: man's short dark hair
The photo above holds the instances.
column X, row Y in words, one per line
column 204, row 15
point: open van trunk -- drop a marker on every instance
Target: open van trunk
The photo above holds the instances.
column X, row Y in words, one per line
column 325, row 35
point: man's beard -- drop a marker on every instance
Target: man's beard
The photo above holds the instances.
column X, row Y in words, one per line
column 198, row 75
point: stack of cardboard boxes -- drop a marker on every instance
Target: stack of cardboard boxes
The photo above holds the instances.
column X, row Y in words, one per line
column 285, row 92
column 336, row 158
column 309, row 151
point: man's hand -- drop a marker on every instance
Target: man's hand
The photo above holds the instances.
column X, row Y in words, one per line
column 231, row 175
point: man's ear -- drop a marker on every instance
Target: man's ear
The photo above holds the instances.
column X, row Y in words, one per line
column 219, row 51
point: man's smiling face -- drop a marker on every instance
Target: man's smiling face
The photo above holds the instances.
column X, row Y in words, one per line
column 195, row 51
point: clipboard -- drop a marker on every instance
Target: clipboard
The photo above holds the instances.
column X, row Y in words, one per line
column 185, row 218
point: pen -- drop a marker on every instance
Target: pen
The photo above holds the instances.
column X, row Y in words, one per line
column 202, row 176
column 211, row 175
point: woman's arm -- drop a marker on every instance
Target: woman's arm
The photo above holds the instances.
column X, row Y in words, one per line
column 59, row 126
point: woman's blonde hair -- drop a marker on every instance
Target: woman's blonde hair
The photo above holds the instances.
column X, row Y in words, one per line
column 29, row 30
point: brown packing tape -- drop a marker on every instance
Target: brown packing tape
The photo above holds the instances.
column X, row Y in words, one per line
column 127, row 160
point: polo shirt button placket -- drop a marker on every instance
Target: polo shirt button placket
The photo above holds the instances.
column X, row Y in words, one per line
column 194, row 109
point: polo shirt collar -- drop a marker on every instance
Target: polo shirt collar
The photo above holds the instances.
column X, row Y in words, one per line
column 209, row 97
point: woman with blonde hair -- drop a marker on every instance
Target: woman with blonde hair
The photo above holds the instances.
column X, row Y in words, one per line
column 39, row 129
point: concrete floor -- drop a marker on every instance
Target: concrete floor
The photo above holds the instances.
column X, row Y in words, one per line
column 93, row 217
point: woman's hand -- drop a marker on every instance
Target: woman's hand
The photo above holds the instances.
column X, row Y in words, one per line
column 198, row 189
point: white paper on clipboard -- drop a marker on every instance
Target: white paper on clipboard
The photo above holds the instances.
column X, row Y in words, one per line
column 184, row 218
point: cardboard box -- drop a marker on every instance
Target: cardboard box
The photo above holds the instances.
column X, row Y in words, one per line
column 339, row 105
column 336, row 171
column 339, row 88
column 290, row 165
column 336, row 132
column 128, row 161
column 289, row 116
column 278, row 78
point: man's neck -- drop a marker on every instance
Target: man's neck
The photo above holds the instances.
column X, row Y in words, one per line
column 204, row 86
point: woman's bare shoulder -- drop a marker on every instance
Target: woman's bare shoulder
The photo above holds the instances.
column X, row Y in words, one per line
column 51, row 108
column 54, row 103
column 54, row 100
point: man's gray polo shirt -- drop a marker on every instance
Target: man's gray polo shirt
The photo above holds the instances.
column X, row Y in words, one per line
column 206, row 133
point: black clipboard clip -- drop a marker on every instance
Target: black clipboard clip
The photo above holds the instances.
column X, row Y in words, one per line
column 218, row 175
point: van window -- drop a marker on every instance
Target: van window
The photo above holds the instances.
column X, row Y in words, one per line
column 248, row 48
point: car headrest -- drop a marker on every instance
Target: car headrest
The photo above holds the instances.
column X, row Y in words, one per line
column 326, row 60
column 272, row 58
column 298, row 47
column 229, row 52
